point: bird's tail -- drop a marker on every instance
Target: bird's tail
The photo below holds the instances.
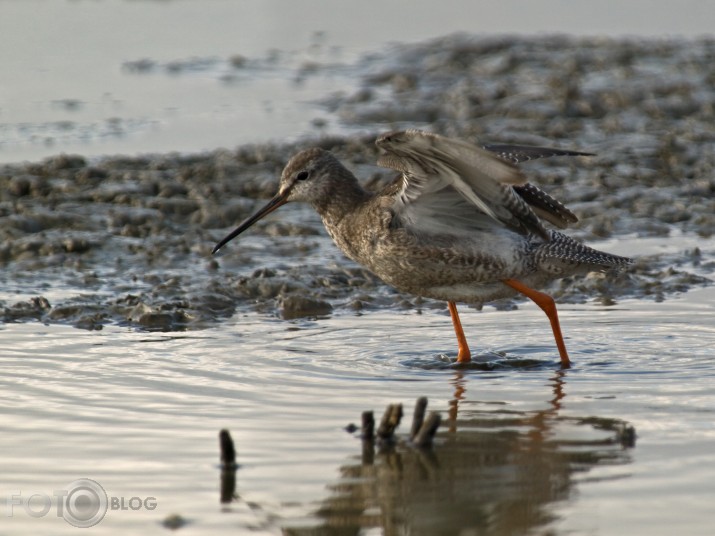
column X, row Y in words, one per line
column 562, row 250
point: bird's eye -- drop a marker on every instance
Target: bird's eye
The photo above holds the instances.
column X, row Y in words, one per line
column 303, row 175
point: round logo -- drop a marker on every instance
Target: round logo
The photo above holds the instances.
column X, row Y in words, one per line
column 85, row 503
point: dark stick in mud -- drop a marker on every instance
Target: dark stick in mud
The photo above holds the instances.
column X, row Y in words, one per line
column 418, row 416
column 228, row 467
column 390, row 421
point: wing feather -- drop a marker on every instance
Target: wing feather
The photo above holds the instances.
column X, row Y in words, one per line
column 432, row 165
column 522, row 153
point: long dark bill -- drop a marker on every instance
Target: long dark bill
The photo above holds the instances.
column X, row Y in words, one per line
column 278, row 200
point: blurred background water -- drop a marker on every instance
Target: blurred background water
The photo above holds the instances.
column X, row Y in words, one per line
column 102, row 77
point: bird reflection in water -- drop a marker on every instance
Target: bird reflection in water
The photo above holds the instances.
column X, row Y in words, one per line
column 491, row 471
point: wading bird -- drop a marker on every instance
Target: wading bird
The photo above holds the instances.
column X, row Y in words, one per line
column 460, row 224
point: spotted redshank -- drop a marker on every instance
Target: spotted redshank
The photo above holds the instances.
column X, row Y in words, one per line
column 460, row 224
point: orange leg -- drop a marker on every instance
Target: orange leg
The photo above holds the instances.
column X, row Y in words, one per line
column 546, row 303
column 464, row 355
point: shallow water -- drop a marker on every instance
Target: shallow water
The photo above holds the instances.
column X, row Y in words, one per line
column 524, row 446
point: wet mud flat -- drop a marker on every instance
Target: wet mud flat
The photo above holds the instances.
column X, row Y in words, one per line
column 127, row 240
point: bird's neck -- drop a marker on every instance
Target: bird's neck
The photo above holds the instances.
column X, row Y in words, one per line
column 344, row 197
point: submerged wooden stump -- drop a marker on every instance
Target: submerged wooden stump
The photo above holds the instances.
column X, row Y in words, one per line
column 228, row 466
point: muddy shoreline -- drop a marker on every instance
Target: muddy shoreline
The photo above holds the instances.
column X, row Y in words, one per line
column 127, row 240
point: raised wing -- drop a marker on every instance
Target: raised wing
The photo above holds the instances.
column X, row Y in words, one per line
column 545, row 206
column 447, row 179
